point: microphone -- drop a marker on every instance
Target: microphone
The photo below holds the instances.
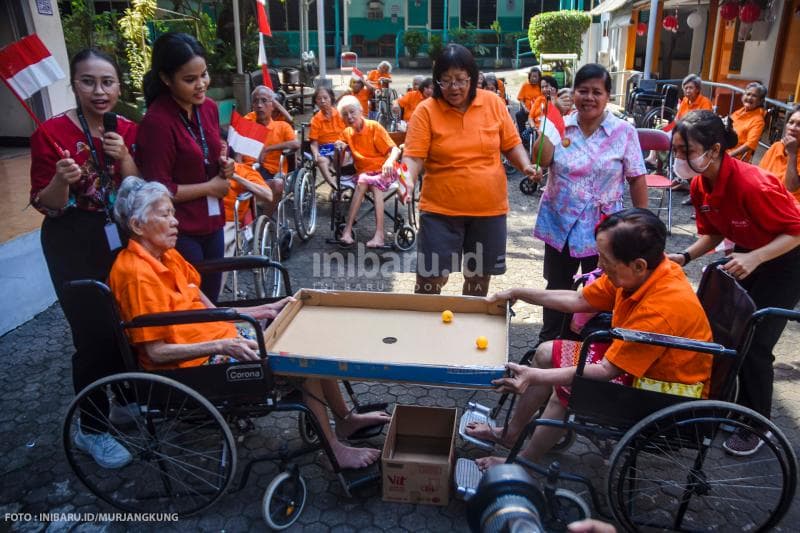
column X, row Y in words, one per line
column 110, row 125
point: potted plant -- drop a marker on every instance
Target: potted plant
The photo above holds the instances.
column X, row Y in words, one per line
column 498, row 31
column 413, row 41
column 558, row 32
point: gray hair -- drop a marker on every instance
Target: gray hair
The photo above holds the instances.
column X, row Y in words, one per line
column 760, row 89
column 135, row 200
column 349, row 100
column 417, row 79
column 385, row 64
column 264, row 88
column 693, row 78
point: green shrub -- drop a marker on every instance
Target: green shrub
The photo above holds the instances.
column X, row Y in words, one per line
column 558, row 32
column 413, row 41
column 435, row 46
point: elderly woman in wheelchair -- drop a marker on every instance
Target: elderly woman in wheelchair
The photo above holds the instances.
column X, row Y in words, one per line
column 646, row 293
column 150, row 276
column 374, row 155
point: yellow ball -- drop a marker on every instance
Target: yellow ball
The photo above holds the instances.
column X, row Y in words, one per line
column 447, row 316
column 482, row 342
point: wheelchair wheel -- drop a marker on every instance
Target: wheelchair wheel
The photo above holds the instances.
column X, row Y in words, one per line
column 528, row 186
column 405, row 238
column 670, row 471
column 568, row 507
column 306, row 429
column 565, row 443
column 654, row 120
column 268, row 280
column 305, row 204
column 183, row 452
column 284, row 500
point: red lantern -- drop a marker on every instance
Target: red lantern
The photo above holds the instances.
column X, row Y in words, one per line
column 670, row 23
column 729, row 10
column 641, row 29
column 749, row 12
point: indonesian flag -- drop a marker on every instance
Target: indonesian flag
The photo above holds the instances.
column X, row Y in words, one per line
column 263, row 31
column 246, row 136
column 28, row 67
column 357, row 74
column 552, row 125
column 403, row 181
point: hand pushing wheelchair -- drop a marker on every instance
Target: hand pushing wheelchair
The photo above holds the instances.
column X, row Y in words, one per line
column 668, row 469
column 179, row 424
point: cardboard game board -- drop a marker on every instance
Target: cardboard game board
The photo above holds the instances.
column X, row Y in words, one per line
column 389, row 337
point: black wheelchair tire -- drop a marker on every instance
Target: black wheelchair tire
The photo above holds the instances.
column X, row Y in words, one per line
column 153, row 481
column 268, row 280
column 405, row 238
column 652, row 119
column 306, row 429
column 528, row 186
column 305, row 204
column 645, row 479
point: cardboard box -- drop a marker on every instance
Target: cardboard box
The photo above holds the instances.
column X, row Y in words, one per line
column 391, row 337
column 418, row 455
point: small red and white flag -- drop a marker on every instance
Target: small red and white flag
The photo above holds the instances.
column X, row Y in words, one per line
column 357, row 74
column 28, row 67
column 552, row 124
column 263, row 31
column 246, row 136
column 403, row 181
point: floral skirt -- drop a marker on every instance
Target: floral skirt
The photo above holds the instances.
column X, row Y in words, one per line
column 567, row 353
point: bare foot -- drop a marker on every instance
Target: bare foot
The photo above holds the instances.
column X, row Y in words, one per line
column 489, row 433
column 350, row 458
column 485, row 463
column 346, row 238
column 355, row 421
column 376, row 242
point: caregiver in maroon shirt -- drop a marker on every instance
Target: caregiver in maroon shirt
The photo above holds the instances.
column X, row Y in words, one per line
column 178, row 144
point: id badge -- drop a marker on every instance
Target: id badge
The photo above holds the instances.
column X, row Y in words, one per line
column 213, row 206
column 248, row 233
column 112, row 236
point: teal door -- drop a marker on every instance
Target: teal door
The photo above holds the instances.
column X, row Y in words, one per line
column 417, row 13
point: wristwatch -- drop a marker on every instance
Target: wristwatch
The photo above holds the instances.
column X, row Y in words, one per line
column 686, row 257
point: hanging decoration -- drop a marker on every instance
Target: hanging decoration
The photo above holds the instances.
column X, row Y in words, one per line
column 694, row 20
column 641, row 29
column 670, row 23
column 729, row 10
column 750, row 12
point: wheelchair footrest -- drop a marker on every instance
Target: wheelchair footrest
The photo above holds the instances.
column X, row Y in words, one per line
column 467, row 478
column 480, row 414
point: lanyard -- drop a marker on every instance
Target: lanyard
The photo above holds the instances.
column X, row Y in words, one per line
column 201, row 142
column 105, row 178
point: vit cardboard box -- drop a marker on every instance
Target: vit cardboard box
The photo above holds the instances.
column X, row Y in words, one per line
column 418, row 455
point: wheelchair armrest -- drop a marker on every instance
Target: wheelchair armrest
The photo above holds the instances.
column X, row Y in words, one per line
column 249, row 262
column 244, row 196
column 655, row 339
column 288, row 151
column 777, row 312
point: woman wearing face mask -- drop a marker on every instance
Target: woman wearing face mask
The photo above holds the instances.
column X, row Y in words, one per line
column 179, row 145
column 738, row 201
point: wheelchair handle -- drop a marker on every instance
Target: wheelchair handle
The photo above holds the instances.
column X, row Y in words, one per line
column 777, row 312
column 247, row 262
column 244, row 196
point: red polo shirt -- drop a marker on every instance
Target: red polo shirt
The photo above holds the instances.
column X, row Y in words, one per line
column 746, row 205
column 166, row 152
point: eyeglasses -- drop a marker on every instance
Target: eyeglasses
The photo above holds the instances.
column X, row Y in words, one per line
column 89, row 84
column 453, row 84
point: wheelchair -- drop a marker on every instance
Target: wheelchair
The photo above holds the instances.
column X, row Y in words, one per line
column 382, row 105
column 184, row 424
column 668, row 469
column 404, row 227
column 650, row 106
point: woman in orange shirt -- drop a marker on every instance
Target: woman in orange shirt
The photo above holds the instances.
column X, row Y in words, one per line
column 326, row 128
column 529, row 92
column 362, row 91
column 748, row 121
column 374, row 155
column 692, row 99
column 549, row 86
column 150, row 276
column 781, row 159
column 409, row 101
column 384, row 71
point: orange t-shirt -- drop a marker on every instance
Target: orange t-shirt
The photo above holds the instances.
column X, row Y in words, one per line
column 409, row 103
column 363, row 97
column 701, row 102
column 142, row 285
column 374, row 77
column 749, row 126
column 464, row 175
column 236, row 188
column 370, row 146
column 775, row 162
column 537, row 110
column 501, row 88
column 528, row 93
column 664, row 304
column 277, row 132
column 326, row 130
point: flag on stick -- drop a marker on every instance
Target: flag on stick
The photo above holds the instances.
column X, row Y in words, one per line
column 263, row 31
column 357, row 74
column 553, row 124
column 246, row 136
column 26, row 67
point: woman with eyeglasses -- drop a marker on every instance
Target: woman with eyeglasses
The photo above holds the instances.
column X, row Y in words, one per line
column 179, row 145
column 75, row 190
column 589, row 168
column 457, row 137
column 752, row 208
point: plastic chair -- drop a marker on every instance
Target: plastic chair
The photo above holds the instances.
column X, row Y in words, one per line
column 660, row 141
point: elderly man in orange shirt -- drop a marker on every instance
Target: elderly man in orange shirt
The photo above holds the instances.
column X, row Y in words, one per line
column 647, row 292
